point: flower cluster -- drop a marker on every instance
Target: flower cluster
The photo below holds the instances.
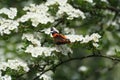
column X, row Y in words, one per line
column 39, row 50
column 37, row 14
column 90, row 1
column 48, row 30
column 12, row 12
column 30, row 37
column 5, row 77
column 65, row 50
column 36, row 50
column 6, row 26
column 65, row 7
column 70, row 11
column 52, row 2
column 14, row 64
column 94, row 37
column 73, row 38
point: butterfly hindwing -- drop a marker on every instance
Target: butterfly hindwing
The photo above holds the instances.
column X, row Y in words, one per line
column 61, row 39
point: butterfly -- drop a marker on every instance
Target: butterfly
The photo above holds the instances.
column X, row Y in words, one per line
column 59, row 38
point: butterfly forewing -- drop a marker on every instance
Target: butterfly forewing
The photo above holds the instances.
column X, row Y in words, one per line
column 61, row 39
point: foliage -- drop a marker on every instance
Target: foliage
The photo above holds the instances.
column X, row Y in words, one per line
column 28, row 50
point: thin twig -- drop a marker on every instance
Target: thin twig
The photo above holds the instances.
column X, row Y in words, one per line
column 78, row 58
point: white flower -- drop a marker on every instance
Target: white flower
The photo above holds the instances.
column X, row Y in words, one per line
column 45, row 77
column 70, row 11
column 95, row 37
column 90, row 1
column 6, row 26
column 12, row 12
column 63, row 49
column 105, row 1
column 60, row 2
column 74, row 38
column 38, row 50
column 6, row 77
column 37, row 14
column 46, row 30
column 30, row 37
column 86, row 39
column 14, row 64
column 95, row 45
column 83, row 68
column 3, row 66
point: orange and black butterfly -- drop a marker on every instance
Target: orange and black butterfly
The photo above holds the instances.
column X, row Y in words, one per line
column 59, row 38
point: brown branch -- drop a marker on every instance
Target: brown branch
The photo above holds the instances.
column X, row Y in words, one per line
column 78, row 58
column 113, row 9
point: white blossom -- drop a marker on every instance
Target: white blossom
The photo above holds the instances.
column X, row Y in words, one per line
column 12, row 12
column 65, row 50
column 5, row 77
column 37, row 14
column 74, row 38
column 46, row 30
column 94, row 37
column 70, row 11
column 30, row 37
column 45, row 77
column 6, row 26
column 83, row 68
column 105, row 1
column 96, row 45
column 14, row 64
column 3, row 66
column 86, row 39
column 38, row 50
column 60, row 2
column 90, row 1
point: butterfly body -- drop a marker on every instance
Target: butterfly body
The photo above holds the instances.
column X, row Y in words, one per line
column 59, row 38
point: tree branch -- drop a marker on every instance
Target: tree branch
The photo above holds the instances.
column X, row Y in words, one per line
column 77, row 58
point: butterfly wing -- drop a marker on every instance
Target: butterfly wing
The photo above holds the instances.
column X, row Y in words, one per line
column 61, row 39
